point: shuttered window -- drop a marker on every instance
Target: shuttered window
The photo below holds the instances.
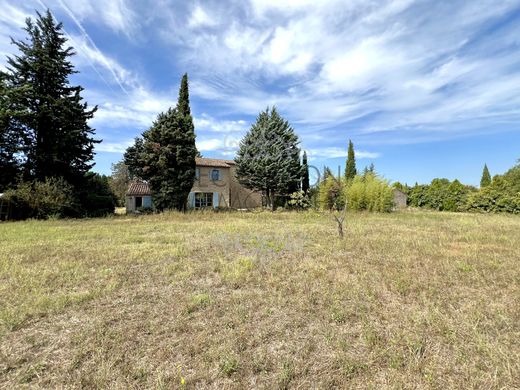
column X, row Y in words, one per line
column 203, row 199
column 215, row 174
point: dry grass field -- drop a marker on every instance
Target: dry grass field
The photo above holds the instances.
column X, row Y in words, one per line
column 261, row 300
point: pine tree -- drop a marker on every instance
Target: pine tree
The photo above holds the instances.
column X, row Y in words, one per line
column 268, row 158
column 486, row 177
column 50, row 112
column 165, row 156
column 305, row 174
column 350, row 168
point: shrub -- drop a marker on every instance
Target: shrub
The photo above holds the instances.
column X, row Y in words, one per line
column 41, row 199
column 441, row 195
column 95, row 197
column 299, row 201
column 499, row 197
column 369, row 192
column 331, row 195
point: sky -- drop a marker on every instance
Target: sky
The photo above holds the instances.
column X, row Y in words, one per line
column 424, row 89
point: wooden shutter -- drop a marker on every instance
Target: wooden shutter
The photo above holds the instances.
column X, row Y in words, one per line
column 191, row 200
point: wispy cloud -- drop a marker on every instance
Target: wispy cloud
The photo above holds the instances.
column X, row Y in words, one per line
column 379, row 72
column 335, row 152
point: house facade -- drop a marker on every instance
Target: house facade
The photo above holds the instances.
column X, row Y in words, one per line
column 215, row 186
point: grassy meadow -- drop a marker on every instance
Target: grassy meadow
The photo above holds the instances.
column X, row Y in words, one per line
column 261, row 300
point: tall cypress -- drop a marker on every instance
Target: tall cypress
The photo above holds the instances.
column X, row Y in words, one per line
column 305, row 174
column 350, row 168
column 165, row 156
column 49, row 111
column 486, row 177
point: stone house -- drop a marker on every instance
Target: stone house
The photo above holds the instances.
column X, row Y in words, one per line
column 400, row 199
column 215, row 186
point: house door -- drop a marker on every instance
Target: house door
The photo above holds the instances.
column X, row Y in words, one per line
column 138, row 202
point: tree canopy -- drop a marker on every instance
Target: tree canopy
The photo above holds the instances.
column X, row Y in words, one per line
column 268, row 158
column 46, row 116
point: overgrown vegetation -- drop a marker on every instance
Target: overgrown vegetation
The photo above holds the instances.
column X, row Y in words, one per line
column 368, row 192
column 266, row 300
column 500, row 194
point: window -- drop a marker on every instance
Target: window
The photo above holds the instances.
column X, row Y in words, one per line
column 215, row 174
column 197, row 173
column 138, row 202
column 203, row 199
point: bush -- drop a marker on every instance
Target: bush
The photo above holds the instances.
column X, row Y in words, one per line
column 499, row 197
column 369, row 192
column 95, row 197
column 441, row 195
column 331, row 195
column 299, row 201
column 52, row 197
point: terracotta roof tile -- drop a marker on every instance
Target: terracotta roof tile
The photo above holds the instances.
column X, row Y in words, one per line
column 212, row 162
column 138, row 188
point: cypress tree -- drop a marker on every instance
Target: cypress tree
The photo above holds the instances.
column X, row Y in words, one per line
column 350, row 168
column 165, row 156
column 49, row 111
column 268, row 158
column 305, row 174
column 486, row 177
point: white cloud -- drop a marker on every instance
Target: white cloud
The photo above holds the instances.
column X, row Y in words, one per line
column 225, row 145
column 200, row 18
column 401, row 67
column 113, row 147
column 335, row 152
column 115, row 14
column 208, row 123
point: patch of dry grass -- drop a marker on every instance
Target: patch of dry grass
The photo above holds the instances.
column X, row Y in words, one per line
column 261, row 300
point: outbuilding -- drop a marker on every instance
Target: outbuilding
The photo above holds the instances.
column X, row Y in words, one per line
column 138, row 196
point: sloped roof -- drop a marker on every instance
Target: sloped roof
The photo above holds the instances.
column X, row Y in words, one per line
column 213, row 162
column 138, row 188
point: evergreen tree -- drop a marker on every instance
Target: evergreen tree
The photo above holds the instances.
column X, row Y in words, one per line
column 305, row 174
column 486, row 177
column 48, row 110
column 350, row 168
column 11, row 141
column 268, row 158
column 165, row 156
column 132, row 159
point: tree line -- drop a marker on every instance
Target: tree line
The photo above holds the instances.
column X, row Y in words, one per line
column 500, row 193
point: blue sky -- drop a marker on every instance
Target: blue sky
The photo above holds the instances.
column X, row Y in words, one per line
column 423, row 88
